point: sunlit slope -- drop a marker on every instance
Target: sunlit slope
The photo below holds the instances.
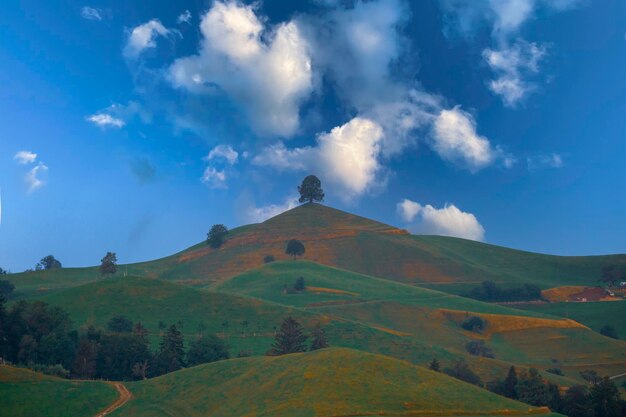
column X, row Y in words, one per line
column 330, row 382
column 434, row 316
column 24, row 393
column 336, row 238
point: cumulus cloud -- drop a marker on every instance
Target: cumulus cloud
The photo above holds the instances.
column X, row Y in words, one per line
column 91, row 13
column 347, row 157
column 184, row 17
column 255, row 214
column 446, row 221
column 105, row 120
column 34, row 179
column 513, row 60
column 455, row 139
column 143, row 37
column 512, row 66
column 223, row 152
column 266, row 70
column 25, row 157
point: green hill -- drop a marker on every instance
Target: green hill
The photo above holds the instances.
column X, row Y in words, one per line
column 24, row 393
column 336, row 238
column 330, row 382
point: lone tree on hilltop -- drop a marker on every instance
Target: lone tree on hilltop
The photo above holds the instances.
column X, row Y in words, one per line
column 290, row 338
column 49, row 262
column 217, row 236
column 319, row 338
column 311, row 190
column 294, row 248
column 108, row 264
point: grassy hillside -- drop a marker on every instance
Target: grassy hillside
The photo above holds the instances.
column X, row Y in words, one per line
column 24, row 393
column 416, row 312
column 330, row 382
column 336, row 238
column 593, row 314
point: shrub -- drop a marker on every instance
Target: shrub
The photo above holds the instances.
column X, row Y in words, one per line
column 299, row 285
column 268, row 259
column 479, row 348
column 474, row 324
column 217, row 236
column 609, row 331
column 555, row 371
column 460, row 370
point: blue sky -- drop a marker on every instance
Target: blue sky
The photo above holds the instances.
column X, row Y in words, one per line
column 135, row 127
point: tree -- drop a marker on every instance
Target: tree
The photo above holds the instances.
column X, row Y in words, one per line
column 299, row 285
column 6, row 288
column 108, row 264
column 268, row 259
column 608, row 331
column 509, row 388
column 49, row 262
column 605, row 398
column 290, row 338
column 84, row 365
column 460, row 370
column 294, row 248
column 577, row 403
column 613, row 273
column 434, row 365
column 319, row 338
column 473, row 324
column 532, row 389
column 206, row 349
column 590, row 376
column 217, row 236
column 120, row 324
column 311, row 190
column 479, row 348
column 171, row 355
column 3, row 271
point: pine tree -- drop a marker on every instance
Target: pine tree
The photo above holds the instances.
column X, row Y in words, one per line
column 290, row 338
column 319, row 338
column 510, row 384
column 171, row 356
column 434, row 365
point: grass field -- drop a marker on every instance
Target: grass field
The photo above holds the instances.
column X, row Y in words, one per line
column 24, row 393
column 593, row 314
column 330, row 382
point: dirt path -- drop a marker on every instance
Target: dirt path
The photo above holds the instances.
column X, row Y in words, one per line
column 617, row 376
column 125, row 395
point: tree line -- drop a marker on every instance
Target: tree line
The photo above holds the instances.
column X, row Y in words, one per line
column 491, row 292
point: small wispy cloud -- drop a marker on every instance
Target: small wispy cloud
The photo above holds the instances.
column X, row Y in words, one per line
column 260, row 214
column 214, row 178
column 223, row 152
column 25, row 157
column 105, row 120
column 553, row 160
column 143, row 37
column 33, row 177
column 91, row 13
column 184, row 17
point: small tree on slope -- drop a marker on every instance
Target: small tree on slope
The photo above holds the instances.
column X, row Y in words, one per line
column 217, row 236
column 311, row 190
column 319, row 338
column 290, row 338
column 108, row 264
column 294, row 248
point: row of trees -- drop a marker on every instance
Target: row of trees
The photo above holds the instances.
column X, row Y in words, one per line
column 601, row 398
column 42, row 337
column 489, row 291
column 290, row 338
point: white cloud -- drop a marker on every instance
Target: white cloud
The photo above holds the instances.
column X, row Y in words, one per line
column 214, row 178
column 347, row 157
column 33, row 177
column 260, row 214
column 553, row 160
column 143, row 37
column 512, row 66
column 266, row 70
column 25, row 157
column 184, row 17
column 105, row 120
column 455, row 140
column 223, row 152
column 446, row 221
column 91, row 13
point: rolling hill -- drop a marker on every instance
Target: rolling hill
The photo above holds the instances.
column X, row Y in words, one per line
column 330, row 382
column 336, row 238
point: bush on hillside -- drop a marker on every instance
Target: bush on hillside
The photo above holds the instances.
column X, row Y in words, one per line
column 217, row 236
column 6, row 288
column 609, row 331
column 268, row 259
column 474, row 324
column 460, row 370
column 479, row 348
column 108, row 264
column 299, row 284
column 206, row 349
column 555, row 371
column 48, row 262
column 319, row 338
